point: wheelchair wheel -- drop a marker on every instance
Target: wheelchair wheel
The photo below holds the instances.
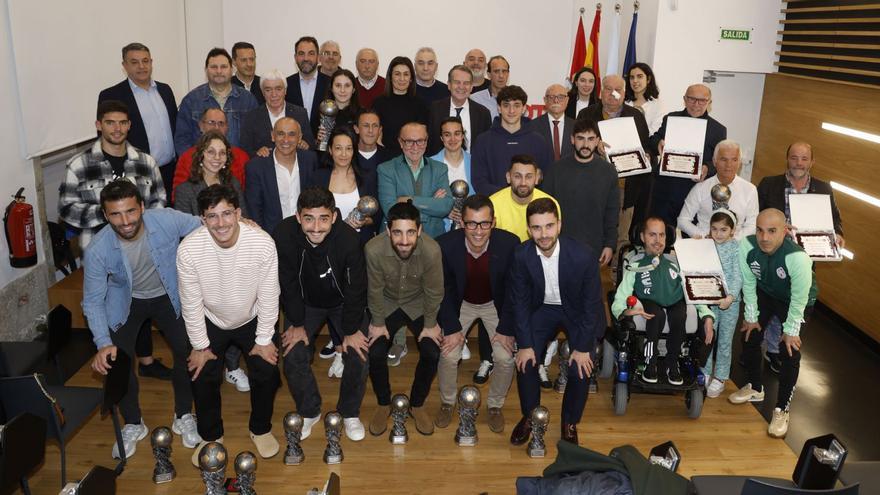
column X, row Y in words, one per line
column 693, row 400
column 607, row 360
column 620, row 396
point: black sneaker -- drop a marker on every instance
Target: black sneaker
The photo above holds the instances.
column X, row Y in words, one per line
column 773, row 361
column 673, row 375
column 328, row 351
column 649, row 375
column 155, row 370
column 482, row 374
column 545, row 379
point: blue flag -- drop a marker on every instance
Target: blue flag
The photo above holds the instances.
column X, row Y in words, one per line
column 630, row 57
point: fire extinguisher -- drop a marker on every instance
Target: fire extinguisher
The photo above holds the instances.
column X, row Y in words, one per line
column 18, row 221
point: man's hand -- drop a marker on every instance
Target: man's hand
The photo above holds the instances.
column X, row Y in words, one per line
column 583, row 363
column 726, row 302
column 606, row 256
column 709, row 330
column 638, row 312
column 440, row 193
column 523, row 356
column 100, row 363
column 268, row 352
column 291, row 336
column 840, row 241
column 434, row 333
column 455, row 216
column 603, row 148
column 792, row 343
column 704, row 171
column 358, row 343
column 452, row 342
column 403, row 199
column 698, row 236
column 747, row 327
column 303, row 145
column 660, row 146
column 322, row 133
column 197, row 360
column 354, row 223
column 264, row 151
column 506, row 341
column 375, row 332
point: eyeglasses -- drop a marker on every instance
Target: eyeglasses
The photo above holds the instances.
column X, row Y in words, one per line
column 481, row 225
column 693, row 100
column 409, row 143
column 330, row 54
column 555, row 98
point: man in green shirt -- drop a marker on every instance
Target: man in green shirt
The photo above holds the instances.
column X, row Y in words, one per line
column 778, row 280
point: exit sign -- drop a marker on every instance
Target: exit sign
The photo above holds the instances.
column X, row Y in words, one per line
column 735, row 34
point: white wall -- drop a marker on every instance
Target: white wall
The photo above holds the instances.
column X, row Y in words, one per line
column 736, row 102
column 203, row 21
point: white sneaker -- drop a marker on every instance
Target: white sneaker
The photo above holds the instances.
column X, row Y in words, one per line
column 131, row 435
column 238, row 378
column 354, row 429
column 337, row 367
column 186, row 427
column 551, row 351
column 465, row 352
column 746, row 394
column 308, row 423
column 715, row 388
column 778, row 424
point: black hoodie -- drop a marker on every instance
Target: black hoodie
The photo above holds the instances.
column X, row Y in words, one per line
column 328, row 275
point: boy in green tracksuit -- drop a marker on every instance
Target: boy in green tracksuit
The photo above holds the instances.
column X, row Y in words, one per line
column 778, row 280
column 654, row 278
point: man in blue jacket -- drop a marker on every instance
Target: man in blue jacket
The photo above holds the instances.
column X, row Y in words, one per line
column 555, row 284
column 130, row 277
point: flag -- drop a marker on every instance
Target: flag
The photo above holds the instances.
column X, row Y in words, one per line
column 630, row 57
column 592, row 58
column 613, row 59
column 580, row 49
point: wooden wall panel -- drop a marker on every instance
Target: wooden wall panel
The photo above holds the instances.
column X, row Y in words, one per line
column 794, row 109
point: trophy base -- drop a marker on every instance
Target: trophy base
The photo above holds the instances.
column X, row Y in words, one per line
column 398, row 439
column 163, row 478
column 559, row 388
column 537, row 453
column 293, row 460
column 333, row 459
column 466, row 441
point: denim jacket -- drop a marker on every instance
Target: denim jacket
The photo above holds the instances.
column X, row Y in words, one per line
column 194, row 104
column 107, row 286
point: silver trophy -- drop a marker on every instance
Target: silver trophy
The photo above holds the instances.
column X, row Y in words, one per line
column 328, row 110
column 366, row 207
column 564, row 356
column 161, row 441
column 460, row 190
column 245, row 472
column 468, row 406
column 212, row 463
column 399, row 410
column 333, row 430
column 539, row 420
column 293, row 424
column 720, row 197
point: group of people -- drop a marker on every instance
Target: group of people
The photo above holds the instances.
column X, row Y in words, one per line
column 266, row 242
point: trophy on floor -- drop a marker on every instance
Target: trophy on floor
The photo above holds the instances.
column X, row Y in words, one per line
column 720, row 196
column 328, row 110
column 246, row 472
column 212, row 463
column 333, row 430
column 293, row 424
column 468, row 406
column 399, row 410
column 564, row 356
column 539, row 420
column 366, row 207
column 460, row 190
column 160, row 440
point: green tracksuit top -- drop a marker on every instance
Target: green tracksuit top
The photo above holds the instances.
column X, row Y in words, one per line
column 662, row 285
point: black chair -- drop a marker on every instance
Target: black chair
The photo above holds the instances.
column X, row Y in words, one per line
column 22, row 449
column 757, row 487
column 744, row 485
column 72, row 407
column 98, row 481
column 24, row 358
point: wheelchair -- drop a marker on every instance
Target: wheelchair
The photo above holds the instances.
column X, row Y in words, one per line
column 622, row 348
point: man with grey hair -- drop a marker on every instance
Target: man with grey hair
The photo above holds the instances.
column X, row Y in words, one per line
column 499, row 73
column 369, row 83
column 475, row 118
column 475, row 60
column 256, row 126
column 428, row 87
column 329, row 56
column 743, row 196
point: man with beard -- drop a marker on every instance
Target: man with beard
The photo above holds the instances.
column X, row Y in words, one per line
column 130, row 277
column 555, row 283
column 405, row 275
column 323, row 280
column 307, row 87
column 511, row 202
column 475, row 60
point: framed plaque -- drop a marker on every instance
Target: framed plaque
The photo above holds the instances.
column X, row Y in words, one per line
column 813, row 226
column 702, row 276
column 683, row 148
column 623, row 146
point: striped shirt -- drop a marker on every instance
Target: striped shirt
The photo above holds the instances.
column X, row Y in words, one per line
column 228, row 286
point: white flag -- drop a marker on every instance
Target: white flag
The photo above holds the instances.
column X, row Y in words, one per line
column 613, row 63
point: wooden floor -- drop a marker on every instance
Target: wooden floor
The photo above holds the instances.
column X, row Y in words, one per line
column 726, row 439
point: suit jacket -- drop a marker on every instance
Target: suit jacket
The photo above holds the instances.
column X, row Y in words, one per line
column 542, row 126
column 255, row 88
column 452, row 245
column 137, row 135
column 396, row 179
column 294, row 95
column 771, row 194
column 261, row 187
column 481, row 120
column 367, row 187
column 579, row 287
column 256, row 128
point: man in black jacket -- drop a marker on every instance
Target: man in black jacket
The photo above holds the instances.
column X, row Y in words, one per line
column 323, row 280
column 476, row 261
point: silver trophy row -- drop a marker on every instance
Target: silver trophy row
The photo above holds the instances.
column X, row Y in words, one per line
column 293, row 424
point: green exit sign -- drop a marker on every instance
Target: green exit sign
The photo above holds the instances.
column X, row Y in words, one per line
column 735, row 34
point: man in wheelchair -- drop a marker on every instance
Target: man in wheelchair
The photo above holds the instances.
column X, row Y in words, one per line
column 652, row 276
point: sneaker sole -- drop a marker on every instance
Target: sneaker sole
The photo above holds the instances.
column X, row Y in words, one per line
column 771, row 435
column 139, row 438
column 328, row 356
column 237, row 387
column 177, row 431
column 750, row 399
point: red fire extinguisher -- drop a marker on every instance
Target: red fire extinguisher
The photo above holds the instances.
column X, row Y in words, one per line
column 18, row 221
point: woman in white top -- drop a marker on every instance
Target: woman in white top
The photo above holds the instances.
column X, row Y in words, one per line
column 456, row 158
column 642, row 93
column 582, row 93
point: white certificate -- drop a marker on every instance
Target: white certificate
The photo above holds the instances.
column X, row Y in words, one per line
column 685, row 137
column 624, row 148
column 701, row 271
column 813, row 224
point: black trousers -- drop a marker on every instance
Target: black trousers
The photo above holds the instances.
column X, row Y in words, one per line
column 768, row 307
column 426, row 369
column 677, row 315
column 160, row 310
column 301, row 380
column 263, row 376
column 143, row 346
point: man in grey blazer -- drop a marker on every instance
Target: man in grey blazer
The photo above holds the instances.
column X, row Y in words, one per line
column 554, row 126
column 256, row 125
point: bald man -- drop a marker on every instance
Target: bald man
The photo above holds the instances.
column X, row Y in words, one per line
column 553, row 125
column 369, row 83
column 475, row 60
column 275, row 181
column 778, row 281
column 669, row 193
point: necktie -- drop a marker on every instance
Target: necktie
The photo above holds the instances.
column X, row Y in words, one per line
column 555, row 140
column 458, row 111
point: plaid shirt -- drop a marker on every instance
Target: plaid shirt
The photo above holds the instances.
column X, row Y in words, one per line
column 86, row 175
column 790, row 189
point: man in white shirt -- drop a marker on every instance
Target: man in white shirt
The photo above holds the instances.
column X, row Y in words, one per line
column 475, row 118
column 743, row 200
column 499, row 73
column 307, row 87
column 229, row 291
